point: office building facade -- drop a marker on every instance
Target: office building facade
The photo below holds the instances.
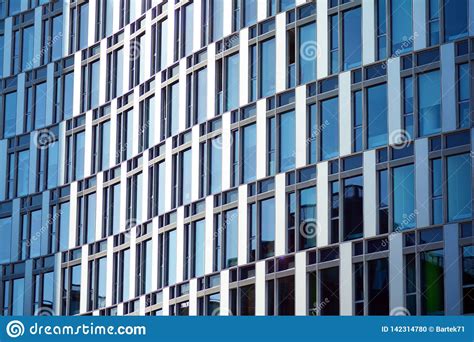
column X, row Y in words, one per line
column 236, row 157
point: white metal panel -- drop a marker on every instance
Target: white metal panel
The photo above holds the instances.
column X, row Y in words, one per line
column 368, row 35
column 346, row 282
column 422, row 181
column 322, row 207
column 242, row 224
column 280, row 211
column 345, row 111
column 394, row 102
column 261, row 139
column 322, row 34
column 300, row 284
column 301, row 144
column 370, row 194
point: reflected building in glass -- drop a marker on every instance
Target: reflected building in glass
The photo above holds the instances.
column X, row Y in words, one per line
column 236, row 157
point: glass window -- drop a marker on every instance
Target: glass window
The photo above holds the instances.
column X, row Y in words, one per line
column 201, row 96
column 312, row 134
column 307, row 53
column 18, row 297
column 216, row 164
column 307, row 218
column 429, row 107
column 5, row 241
column 9, row 115
column 199, row 247
column 378, row 298
column 57, row 38
column 410, row 283
column 267, row 68
column 353, row 208
column 188, row 29
column 287, row 130
column 267, row 228
column 329, row 291
column 404, row 216
column 27, row 48
column 230, row 229
column 217, row 21
column 464, row 78
column 383, row 198
column 23, row 173
column 432, row 282
column 68, row 95
column 468, row 279
column 232, row 82
column 455, row 19
column 286, row 296
column 408, row 106
column 381, row 29
column 352, row 34
column 173, row 101
column 459, row 187
column 247, row 300
column 334, row 44
column 377, row 115
column 357, row 121
column 170, row 240
column 402, row 29
column 329, row 129
column 436, row 191
column 250, row 12
column 83, row 25
column 249, row 151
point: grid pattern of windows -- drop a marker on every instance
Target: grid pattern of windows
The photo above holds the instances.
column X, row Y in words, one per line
column 170, row 149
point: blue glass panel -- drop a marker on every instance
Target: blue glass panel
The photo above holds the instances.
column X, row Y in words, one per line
column 216, row 164
column 232, row 82
column 9, row 128
column 377, row 115
column 459, row 187
column 201, row 98
column 199, row 247
column 174, row 108
column 187, row 172
column 267, row 226
column 5, row 241
column 329, row 129
column 249, row 153
column 429, row 108
column 455, row 19
column 171, row 248
column 404, row 215
column 287, row 141
column 402, row 26
column 230, row 226
column 307, row 53
column 267, row 68
column 352, row 35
